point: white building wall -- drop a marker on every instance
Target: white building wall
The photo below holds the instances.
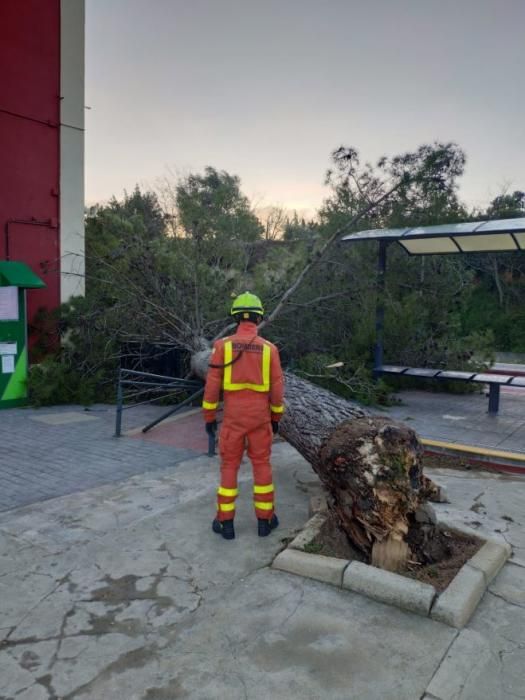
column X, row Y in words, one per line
column 72, row 267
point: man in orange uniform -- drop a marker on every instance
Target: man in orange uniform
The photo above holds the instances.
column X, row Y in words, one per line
column 248, row 370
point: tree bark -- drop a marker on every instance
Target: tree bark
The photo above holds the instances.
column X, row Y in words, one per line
column 370, row 467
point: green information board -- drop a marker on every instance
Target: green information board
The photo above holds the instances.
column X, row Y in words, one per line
column 15, row 279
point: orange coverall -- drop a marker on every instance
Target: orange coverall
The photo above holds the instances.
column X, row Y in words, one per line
column 253, row 397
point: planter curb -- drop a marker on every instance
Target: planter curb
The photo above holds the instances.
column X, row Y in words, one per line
column 458, row 601
column 453, row 607
column 309, row 532
column 387, row 587
column 326, row 569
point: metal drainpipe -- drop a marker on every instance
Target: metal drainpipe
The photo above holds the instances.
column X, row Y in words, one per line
column 28, row 222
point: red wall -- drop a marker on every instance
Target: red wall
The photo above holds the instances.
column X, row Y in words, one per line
column 29, row 141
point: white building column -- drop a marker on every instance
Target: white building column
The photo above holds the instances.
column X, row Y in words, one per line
column 72, row 22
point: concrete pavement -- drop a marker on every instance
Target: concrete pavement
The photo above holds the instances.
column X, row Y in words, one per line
column 123, row 591
column 463, row 418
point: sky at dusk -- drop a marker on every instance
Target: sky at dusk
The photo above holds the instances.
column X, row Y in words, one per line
column 266, row 89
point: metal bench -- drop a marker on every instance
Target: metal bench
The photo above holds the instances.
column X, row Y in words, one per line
column 495, row 381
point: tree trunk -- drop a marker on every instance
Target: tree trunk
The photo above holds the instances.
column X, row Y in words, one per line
column 370, row 467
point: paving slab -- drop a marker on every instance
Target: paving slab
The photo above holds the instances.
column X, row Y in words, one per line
column 470, row 650
column 510, row 586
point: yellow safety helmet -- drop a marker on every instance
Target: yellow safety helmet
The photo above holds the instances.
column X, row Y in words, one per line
column 246, row 304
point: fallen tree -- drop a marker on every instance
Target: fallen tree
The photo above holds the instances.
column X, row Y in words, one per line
column 369, row 466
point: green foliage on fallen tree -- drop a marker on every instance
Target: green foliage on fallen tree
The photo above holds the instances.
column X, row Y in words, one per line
column 163, row 268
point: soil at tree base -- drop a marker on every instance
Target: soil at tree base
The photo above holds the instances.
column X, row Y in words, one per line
column 441, row 573
column 454, row 550
column 438, row 558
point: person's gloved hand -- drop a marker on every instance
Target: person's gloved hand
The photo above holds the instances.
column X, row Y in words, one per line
column 275, row 427
column 211, row 427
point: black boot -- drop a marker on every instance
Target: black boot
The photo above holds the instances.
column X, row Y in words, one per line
column 224, row 528
column 266, row 526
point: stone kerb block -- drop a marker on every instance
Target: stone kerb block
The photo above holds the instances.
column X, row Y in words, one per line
column 490, row 559
column 320, row 568
column 390, row 588
column 309, row 532
column 456, row 604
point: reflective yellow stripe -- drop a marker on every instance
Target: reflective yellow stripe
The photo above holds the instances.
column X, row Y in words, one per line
column 209, row 406
column 227, row 378
column 222, row 491
column 261, row 505
column 263, row 489
column 266, row 366
column 277, row 409
column 226, row 506
column 228, row 385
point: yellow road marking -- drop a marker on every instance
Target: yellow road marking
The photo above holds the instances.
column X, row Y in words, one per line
column 485, row 451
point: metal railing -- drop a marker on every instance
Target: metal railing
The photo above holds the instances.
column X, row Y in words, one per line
column 133, row 384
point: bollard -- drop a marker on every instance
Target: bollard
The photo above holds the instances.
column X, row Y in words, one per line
column 118, row 425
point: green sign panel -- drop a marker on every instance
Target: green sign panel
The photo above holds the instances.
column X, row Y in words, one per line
column 15, row 278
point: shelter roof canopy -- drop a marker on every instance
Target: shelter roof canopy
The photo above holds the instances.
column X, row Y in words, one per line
column 468, row 237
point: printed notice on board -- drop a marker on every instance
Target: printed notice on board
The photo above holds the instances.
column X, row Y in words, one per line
column 8, row 303
column 8, row 348
column 8, row 364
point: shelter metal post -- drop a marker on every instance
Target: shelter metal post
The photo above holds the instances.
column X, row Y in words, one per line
column 120, row 401
column 380, row 307
column 493, row 399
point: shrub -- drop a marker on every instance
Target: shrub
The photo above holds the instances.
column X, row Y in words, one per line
column 54, row 381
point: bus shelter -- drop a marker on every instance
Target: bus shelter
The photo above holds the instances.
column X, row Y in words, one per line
column 494, row 236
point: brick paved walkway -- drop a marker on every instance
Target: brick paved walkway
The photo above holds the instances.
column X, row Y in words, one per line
column 185, row 432
column 50, row 452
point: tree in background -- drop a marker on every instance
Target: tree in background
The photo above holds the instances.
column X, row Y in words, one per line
column 164, row 266
column 212, row 207
column 425, row 297
column 497, row 294
column 124, row 240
